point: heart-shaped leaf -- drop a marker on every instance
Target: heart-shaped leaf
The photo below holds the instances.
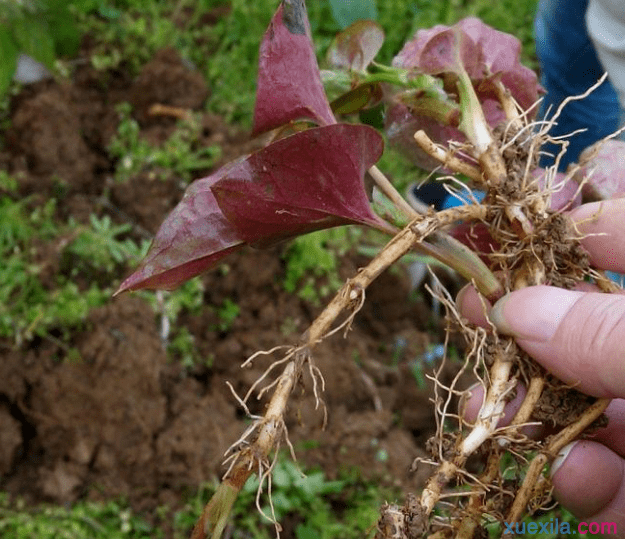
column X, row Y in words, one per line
column 500, row 55
column 355, row 47
column 193, row 238
column 308, row 181
column 302, row 183
column 289, row 86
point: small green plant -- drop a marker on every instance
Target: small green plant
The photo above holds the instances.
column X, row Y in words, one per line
column 85, row 520
column 32, row 302
column 40, row 29
column 312, row 262
column 227, row 312
column 100, row 248
column 313, row 498
column 178, row 156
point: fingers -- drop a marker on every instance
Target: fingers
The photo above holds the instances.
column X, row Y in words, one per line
column 589, row 476
column 613, row 436
column 577, row 336
column 474, row 398
column 603, row 226
column 589, row 480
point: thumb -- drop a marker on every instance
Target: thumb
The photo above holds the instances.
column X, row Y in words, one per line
column 578, row 336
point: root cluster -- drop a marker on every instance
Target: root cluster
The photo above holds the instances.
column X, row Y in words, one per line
column 530, row 245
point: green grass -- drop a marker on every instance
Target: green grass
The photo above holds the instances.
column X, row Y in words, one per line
column 233, row 66
column 29, row 305
column 180, row 156
column 227, row 52
column 312, row 262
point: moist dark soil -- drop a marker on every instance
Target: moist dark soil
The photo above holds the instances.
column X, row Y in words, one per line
column 103, row 411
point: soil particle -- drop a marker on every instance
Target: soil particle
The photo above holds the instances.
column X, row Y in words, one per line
column 34, row 140
column 10, row 439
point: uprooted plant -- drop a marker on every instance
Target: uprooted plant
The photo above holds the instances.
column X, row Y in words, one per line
column 457, row 99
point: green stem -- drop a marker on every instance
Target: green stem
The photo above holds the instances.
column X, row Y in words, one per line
column 215, row 516
column 444, row 247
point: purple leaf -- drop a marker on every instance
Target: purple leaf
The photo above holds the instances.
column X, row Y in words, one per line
column 289, row 86
column 305, row 182
column 440, row 49
column 355, row 47
column 308, row 181
column 193, row 238
column 602, row 171
column 483, row 51
column 500, row 55
column 486, row 55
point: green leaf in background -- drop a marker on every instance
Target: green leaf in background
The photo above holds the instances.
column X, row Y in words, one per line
column 346, row 12
column 33, row 38
column 63, row 30
column 8, row 58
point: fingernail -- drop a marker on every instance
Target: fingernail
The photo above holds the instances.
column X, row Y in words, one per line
column 562, row 456
column 533, row 313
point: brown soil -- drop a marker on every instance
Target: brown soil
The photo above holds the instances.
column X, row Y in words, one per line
column 106, row 412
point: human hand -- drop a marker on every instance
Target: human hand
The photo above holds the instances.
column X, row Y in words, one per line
column 579, row 336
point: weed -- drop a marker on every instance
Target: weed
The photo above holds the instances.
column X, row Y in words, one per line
column 314, row 497
column 32, row 305
column 227, row 312
column 312, row 262
column 180, row 155
column 85, row 520
column 40, row 29
column 99, row 247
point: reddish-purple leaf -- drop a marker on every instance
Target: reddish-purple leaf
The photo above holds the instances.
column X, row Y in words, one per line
column 500, row 55
column 485, row 54
column 305, row 182
column 440, row 49
column 603, row 171
column 310, row 180
column 483, row 51
column 443, row 50
column 193, row 238
column 355, row 47
column 289, row 86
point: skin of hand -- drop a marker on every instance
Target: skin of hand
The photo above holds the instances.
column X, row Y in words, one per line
column 579, row 336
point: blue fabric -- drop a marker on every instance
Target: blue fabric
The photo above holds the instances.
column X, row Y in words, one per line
column 434, row 193
column 451, row 201
column 569, row 67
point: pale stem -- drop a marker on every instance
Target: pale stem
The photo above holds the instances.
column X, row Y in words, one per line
column 446, row 158
column 389, row 190
column 492, row 408
column 564, row 437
